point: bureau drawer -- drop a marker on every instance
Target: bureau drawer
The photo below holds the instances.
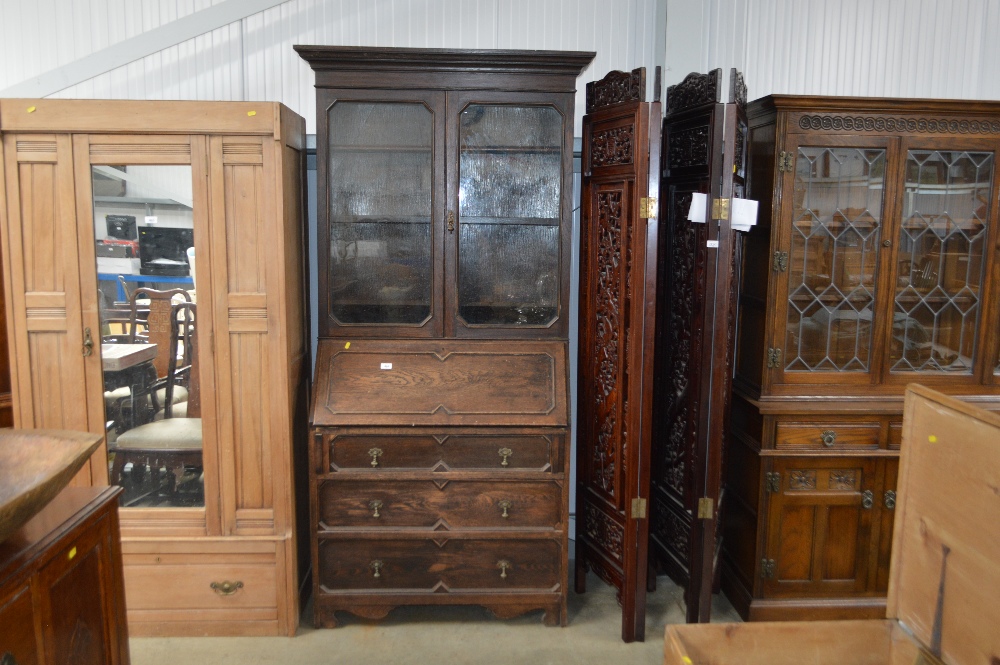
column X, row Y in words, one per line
column 426, row 565
column 376, row 452
column 828, row 435
column 423, row 503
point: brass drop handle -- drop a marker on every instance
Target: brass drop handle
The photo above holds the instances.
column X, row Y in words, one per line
column 375, row 505
column 505, row 453
column 504, row 566
column 504, row 505
column 829, row 437
column 451, row 221
column 226, row 588
column 376, row 567
column 889, row 499
column 375, row 452
column 88, row 343
column 867, row 499
column 7, row 659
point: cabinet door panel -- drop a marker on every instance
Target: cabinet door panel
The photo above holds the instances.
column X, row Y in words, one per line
column 18, row 620
column 382, row 186
column 819, row 527
column 41, row 262
column 886, row 522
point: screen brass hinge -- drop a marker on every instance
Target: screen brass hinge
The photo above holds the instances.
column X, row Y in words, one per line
column 706, row 508
column 773, row 358
column 780, row 263
column 768, row 568
column 647, row 207
column 772, row 481
column 720, row 208
column 786, row 162
column 638, row 509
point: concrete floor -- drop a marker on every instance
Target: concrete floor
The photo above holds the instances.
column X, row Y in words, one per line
column 449, row 635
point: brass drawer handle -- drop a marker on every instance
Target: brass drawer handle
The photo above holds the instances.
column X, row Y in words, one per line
column 226, row 588
column 505, row 453
column 867, row 499
column 829, row 437
column 375, row 505
column 451, row 221
column 375, row 452
column 504, row 505
column 88, row 343
column 376, row 567
column 504, row 566
column 889, row 499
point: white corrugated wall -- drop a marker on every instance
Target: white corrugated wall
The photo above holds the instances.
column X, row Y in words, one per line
column 253, row 58
column 873, row 48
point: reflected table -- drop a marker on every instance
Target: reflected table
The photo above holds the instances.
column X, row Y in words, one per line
column 131, row 366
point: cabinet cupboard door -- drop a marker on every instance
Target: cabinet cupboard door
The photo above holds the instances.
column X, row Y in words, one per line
column 42, row 269
column 820, row 523
column 886, row 521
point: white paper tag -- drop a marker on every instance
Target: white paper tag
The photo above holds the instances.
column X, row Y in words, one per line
column 744, row 214
column 696, row 213
column 150, row 219
column 711, row 243
column 386, row 366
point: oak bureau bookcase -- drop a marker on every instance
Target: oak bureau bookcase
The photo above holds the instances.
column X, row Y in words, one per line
column 152, row 256
column 439, row 461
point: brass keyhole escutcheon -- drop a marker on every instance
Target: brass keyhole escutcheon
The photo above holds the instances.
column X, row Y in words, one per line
column 504, row 454
column 451, row 221
column 504, row 565
column 504, row 505
column 867, row 499
column 88, row 343
column 375, row 452
column 375, row 505
column 889, row 499
column 226, row 588
column 376, row 567
column 829, row 437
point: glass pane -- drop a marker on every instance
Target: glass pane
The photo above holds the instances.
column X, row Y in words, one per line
column 945, row 207
column 381, row 194
column 510, row 192
column 144, row 226
column 836, row 220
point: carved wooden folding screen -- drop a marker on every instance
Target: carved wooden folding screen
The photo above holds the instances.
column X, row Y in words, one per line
column 618, row 230
column 704, row 147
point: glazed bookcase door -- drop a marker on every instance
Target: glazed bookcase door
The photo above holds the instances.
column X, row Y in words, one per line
column 41, row 269
column 383, row 186
column 508, row 209
column 836, row 224
column 942, row 253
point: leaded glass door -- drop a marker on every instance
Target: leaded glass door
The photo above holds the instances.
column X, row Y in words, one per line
column 506, row 210
column 826, row 303
column 383, row 186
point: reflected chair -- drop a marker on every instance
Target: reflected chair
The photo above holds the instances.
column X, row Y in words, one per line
column 173, row 443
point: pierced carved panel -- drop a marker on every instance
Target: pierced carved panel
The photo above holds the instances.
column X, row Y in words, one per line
column 611, row 147
column 606, row 453
column 737, row 87
column 608, row 319
column 802, row 480
column 671, row 529
column 695, row 90
column 843, row 480
column 616, row 88
column 883, row 124
column 603, row 531
column 687, row 148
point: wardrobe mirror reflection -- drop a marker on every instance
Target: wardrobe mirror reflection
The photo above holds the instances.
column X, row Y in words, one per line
column 147, row 295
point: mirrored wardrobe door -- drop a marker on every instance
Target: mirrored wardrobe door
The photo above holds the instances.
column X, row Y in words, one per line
column 149, row 230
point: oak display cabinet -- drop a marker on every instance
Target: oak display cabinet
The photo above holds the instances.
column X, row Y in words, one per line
column 207, row 519
column 439, row 461
column 873, row 266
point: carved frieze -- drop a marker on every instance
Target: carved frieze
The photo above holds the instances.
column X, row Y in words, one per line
column 615, row 88
column 687, row 148
column 843, row 480
column 606, row 453
column 884, row 124
column 612, row 146
column 603, row 532
column 695, row 90
column 802, row 479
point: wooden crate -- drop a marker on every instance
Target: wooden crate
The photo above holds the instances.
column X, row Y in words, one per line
column 944, row 589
